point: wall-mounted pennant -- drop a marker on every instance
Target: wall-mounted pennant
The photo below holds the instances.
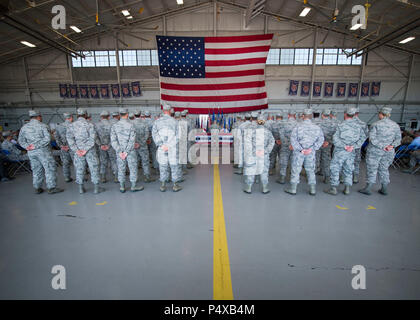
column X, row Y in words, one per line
column 74, row 93
column 328, row 89
column 125, row 88
column 365, row 89
column 115, row 88
column 64, row 93
column 104, row 91
column 94, row 93
column 293, row 88
column 341, row 89
column 84, row 93
column 135, row 87
column 304, row 90
column 375, row 89
column 353, row 87
column 317, row 89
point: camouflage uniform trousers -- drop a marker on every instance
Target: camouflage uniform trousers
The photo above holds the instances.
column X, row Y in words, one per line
column 143, row 153
column 108, row 158
column 42, row 161
column 342, row 161
column 308, row 161
column 325, row 160
column 165, row 165
column 357, row 160
column 91, row 158
column 284, row 159
column 132, row 162
column 152, row 151
column 273, row 155
column 378, row 162
column 67, row 158
column 250, row 178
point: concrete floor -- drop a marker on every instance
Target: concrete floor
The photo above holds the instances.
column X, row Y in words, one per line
column 153, row 245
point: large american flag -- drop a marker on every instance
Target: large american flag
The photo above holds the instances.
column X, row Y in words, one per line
column 211, row 74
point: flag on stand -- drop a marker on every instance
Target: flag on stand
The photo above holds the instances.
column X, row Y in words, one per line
column 202, row 73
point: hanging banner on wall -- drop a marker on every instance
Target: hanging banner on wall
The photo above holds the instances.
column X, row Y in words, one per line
column 353, row 87
column 375, row 89
column 365, row 89
column 64, row 93
column 93, row 89
column 115, row 88
column 125, row 87
column 104, row 91
column 328, row 89
column 84, row 93
column 135, row 87
column 304, row 90
column 74, row 93
column 341, row 89
column 317, row 89
column 293, row 87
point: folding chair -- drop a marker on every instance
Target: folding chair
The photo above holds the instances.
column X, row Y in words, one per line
column 418, row 168
column 17, row 166
column 402, row 152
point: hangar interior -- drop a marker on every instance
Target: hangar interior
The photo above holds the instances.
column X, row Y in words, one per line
column 160, row 246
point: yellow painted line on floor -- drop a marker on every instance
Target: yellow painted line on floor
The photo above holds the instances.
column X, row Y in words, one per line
column 342, row 208
column 101, row 203
column 222, row 282
column 73, row 203
column 370, row 208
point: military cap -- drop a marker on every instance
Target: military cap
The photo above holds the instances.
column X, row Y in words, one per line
column 123, row 111
column 326, row 112
column 247, row 115
column 147, row 113
column 261, row 117
column 242, row 116
column 81, row 112
column 104, row 113
column 115, row 113
column 184, row 113
column 177, row 114
column 166, row 107
column 386, row 111
column 307, row 112
column 279, row 114
column 254, row 115
column 351, row 111
column 137, row 113
column 34, row 113
column 292, row 112
column 131, row 115
column 66, row 115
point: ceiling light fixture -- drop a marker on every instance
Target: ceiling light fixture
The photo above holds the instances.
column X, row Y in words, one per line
column 304, row 12
column 180, row 1
column 356, row 26
column 26, row 43
column 76, row 29
column 407, row 40
column 125, row 12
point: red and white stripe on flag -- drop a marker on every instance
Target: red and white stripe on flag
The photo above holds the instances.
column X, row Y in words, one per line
column 234, row 79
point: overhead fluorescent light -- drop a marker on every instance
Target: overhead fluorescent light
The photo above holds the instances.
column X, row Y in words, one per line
column 125, row 12
column 304, row 12
column 76, row 29
column 407, row 40
column 356, row 26
column 26, row 43
column 180, row 1
column 129, row 17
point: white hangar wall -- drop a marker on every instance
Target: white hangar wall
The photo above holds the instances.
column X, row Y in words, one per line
column 46, row 70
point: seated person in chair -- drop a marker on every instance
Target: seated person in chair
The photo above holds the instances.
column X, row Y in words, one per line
column 15, row 154
column 414, row 150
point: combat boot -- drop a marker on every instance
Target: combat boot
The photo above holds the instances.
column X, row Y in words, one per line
column 366, row 190
column 281, row 180
column 189, row 166
column 247, row 188
column 272, row 172
column 97, row 189
column 135, row 188
column 39, row 190
column 122, row 187
column 265, row 189
column 239, row 171
column 332, row 190
column 384, row 189
column 346, row 190
column 176, row 187
column 235, row 166
column 326, row 180
column 291, row 188
column 81, row 189
column 355, row 178
column 68, row 179
column 103, row 178
column 54, row 190
column 312, row 189
column 163, row 186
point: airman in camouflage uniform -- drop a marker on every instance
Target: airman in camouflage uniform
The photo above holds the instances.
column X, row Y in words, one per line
column 66, row 155
column 358, row 151
column 165, row 135
column 81, row 137
column 285, row 151
column 348, row 137
column 241, row 131
column 15, row 154
column 258, row 143
column 275, row 131
column 384, row 137
column 152, row 145
column 305, row 140
column 107, row 154
column 123, row 140
column 328, row 128
column 36, row 138
column 143, row 137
